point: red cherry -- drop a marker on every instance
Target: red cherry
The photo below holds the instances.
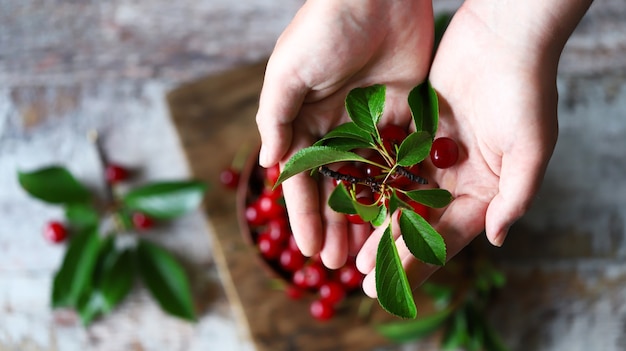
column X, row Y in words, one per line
column 141, row 221
column 229, row 178
column 269, row 207
column 350, row 277
column 310, row 276
column 272, row 174
column 392, row 136
column 291, row 260
column 321, row 310
column 253, row 215
column 373, row 171
column 115, row 173
column 444, row 152
column 292, row 244
column 270, row 249
column 55, row 232
column 332, row 292
column 278, row 229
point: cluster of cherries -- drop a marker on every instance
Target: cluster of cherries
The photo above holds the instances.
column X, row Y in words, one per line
column 267, row 219
column 57, row 232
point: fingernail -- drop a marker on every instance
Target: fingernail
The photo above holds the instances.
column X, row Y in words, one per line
column 263, row 157
column 499, row 240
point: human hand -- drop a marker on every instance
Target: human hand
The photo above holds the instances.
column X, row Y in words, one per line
column 330, row 48
column 498, row 100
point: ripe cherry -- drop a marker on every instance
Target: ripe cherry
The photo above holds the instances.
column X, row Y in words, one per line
column 55, row 232
column 392, row 136
column 310, row 276
column 142, row 221
column 321, row 310
column 278, row 229
column 115, row 173
column 350, row 277
column 270, row 249
column 444, row 152
column 269, row 207
column 371, row 170
column 332, row 292
column 253, row 215
column 229, row 177
column 291, row 260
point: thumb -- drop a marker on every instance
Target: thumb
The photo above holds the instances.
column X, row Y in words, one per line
column 520, row 178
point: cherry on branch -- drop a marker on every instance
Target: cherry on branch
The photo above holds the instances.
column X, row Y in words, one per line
column 55, row 232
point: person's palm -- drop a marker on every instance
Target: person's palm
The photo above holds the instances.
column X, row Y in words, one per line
column 330, row 48
column 500, row 106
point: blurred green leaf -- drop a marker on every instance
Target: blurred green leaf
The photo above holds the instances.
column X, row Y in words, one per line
column 75, row 275
column 166, row 200
column 166, row 280
column 419, row 328
column 82, row 216
column 53, row 184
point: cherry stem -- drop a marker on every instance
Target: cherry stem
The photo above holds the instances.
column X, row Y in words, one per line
column 95, row 139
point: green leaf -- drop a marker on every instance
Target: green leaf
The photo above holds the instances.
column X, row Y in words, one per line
column 165, row 279
column 344, row 144
column 75, row 275
column 492, row 341
column 90, row 306
column 313, row 157
column 395, row 202
column 116, row 277
column 367, row 212
column 380, row 218
column 53, row 184
column 349, row 131
column 166, row 200
column 406, row 331
column 365, row 106
column 81, row 216
column 422, row 239
column 442, row 295
column 341, row 201
column 456, row 334
column 424, row 106
column 392, row 285
column 414, row 149
column 436, row 198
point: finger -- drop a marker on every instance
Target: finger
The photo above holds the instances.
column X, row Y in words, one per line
column 357, row 235
column 520, row 179
column 281, row 97
column 302, row 199
column 335, row 250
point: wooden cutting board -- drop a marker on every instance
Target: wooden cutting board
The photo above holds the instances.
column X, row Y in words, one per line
column 215, row 120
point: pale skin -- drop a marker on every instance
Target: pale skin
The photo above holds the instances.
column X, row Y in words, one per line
column 494, row 72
